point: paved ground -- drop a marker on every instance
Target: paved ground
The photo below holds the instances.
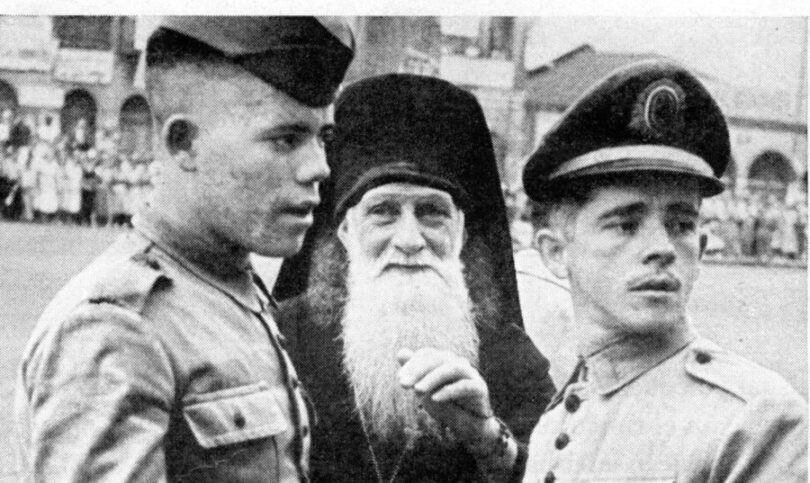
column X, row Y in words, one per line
column 759, row 312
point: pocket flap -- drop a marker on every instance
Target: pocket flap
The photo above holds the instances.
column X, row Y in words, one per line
column 234, row 415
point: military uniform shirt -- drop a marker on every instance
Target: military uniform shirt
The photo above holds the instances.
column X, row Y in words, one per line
column 679, row 410
column 147, row 368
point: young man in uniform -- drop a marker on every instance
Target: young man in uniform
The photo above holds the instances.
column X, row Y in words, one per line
column 625, row 170
column 401, row 311
column 161, row 361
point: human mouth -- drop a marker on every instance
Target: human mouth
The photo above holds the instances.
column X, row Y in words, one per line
column 407, row 267
column 304, row 209
column 665, row 283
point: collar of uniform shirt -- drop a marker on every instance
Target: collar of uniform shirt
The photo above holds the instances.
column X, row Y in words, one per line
column 242, row 291
column 617, row 364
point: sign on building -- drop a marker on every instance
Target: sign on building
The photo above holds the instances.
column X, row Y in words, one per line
column 27, row 43
column 86, row 66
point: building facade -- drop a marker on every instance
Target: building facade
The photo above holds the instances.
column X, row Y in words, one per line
column 60, row 69
column 768, row 128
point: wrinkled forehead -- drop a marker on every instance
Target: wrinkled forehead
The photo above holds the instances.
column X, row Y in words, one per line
column 407, row 193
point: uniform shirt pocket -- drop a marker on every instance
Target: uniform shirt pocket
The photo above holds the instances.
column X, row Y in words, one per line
column 234, row 415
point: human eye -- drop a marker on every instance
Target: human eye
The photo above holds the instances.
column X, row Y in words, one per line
column 326, row 135
column 433, row 212
column 382, row 211
column 622, row 225
column 683, row 226
column 285, row 142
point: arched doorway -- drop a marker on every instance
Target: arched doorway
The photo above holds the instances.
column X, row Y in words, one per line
column 771, row 171
column 135, row 122
column 8, row 97
column 79, row 104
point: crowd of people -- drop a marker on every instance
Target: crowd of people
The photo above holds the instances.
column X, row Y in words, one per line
column 50, row 177
column 760, row 226
column 45, row 177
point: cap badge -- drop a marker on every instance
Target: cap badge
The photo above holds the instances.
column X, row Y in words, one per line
column 658, row 112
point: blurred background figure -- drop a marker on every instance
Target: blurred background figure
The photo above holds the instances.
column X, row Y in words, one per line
column 10, row 192
column 20, row 134
column 28, row 183
column 6, row 120
column 89, row 186
column 48, row 131
column 48, row 184
column 73, row 188
column 80, row 137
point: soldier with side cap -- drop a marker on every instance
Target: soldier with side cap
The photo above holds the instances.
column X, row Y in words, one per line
column 624, row 172
column 161, row 361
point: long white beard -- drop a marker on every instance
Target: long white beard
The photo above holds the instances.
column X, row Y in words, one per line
column 391, row 311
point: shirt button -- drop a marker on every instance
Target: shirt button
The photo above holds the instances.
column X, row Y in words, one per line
column 295, row 383
column 703, row 357
column 550, row 478
column 572, row 403
column 239, row 420
column 305, row 431
column 562, row 441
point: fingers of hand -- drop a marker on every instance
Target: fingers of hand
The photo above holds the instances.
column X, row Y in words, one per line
column 463, row 389
column 421, row 363
column 443, row 375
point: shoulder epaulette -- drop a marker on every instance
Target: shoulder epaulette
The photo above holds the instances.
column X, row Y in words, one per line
column 129, row 283
column 735, row 375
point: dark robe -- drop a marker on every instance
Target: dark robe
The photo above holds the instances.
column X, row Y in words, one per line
column 515, row 372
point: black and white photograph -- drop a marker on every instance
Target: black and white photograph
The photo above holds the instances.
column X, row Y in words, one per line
column 404, row 245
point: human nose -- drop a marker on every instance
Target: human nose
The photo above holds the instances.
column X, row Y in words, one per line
column 408, row 237
column 659, row 248
column 312, row 167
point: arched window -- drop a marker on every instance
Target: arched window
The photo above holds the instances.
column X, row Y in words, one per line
column 135, row 122
column 79, row 104
column 771, row 171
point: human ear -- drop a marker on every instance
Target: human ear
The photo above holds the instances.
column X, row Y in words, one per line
column 553, row 248
column 178, row 136
column 343, row 229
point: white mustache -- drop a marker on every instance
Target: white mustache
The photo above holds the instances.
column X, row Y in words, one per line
column 420, row 260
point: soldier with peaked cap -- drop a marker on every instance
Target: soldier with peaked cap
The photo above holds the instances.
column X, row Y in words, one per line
column 409, row 264
column 161, row 361
column 624, row 172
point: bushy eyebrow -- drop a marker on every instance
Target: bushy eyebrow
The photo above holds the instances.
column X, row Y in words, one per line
column 633, row 209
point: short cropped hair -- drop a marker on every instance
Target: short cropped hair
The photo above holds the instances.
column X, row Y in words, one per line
column 558, row 210
column 174, row 63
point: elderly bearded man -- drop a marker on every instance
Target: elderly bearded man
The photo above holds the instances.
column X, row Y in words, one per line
column 409, row 262
column 161, row 361
column 624, row 172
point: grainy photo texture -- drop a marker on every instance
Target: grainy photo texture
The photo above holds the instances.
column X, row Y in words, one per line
column 403, row 249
